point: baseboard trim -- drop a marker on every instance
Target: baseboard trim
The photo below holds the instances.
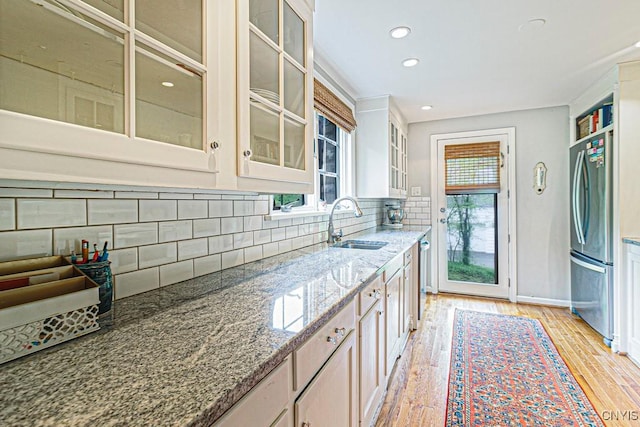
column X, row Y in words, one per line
column 544, row 301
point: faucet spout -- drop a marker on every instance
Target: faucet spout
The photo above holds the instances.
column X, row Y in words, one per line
column 333, row 236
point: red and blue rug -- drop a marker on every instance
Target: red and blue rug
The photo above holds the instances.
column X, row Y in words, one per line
column 505, row 371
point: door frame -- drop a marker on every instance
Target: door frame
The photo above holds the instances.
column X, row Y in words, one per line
column 438, row 172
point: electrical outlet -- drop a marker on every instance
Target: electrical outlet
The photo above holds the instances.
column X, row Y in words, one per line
column 416, row 191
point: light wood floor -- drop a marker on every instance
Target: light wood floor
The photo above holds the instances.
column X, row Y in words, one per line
column 417, row 394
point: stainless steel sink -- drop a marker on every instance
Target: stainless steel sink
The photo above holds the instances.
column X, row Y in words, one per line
column 360, row 244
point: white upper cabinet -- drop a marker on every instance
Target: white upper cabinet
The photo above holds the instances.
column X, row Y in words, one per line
column 275, row 92
column 381, row 147
column 108, row 92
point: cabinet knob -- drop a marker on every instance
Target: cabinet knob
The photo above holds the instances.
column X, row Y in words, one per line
column 332, row 340
column 247, row 153
column 380, row 312
column 305, row 424
column 341, row 331
column 215, row 145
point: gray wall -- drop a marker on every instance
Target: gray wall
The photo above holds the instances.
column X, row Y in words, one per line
column 542, row 135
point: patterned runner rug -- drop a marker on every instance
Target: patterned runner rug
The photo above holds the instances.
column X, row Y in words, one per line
column 505, row 371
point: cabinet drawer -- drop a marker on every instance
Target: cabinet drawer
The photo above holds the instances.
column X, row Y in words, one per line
column 408, row 256
column 309, row 358
column 369, row 295
column 265, row 403
column 392, row 267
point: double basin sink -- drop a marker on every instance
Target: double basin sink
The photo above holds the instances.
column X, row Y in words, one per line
column 360, row 244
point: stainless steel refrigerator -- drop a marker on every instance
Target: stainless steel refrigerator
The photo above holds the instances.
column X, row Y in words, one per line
column 591, row 233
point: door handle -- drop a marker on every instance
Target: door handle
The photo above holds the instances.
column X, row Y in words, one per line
column 443, row 220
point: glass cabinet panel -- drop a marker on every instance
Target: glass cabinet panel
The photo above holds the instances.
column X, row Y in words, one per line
column 264, row 69
column 264, row 15
column 70, row 69
column 176, row 24
column 293, row 34
column 294, row 148
column 293, row 89
column 265, row 134
column 168, row 100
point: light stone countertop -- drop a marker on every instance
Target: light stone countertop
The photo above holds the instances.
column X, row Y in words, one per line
column 184, row 354
column 631, row 240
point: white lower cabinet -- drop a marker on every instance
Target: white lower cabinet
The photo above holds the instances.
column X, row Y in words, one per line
column 393, row 311
column 330, row 398
column 371, row 359
column 266, row 404
column 633, row 287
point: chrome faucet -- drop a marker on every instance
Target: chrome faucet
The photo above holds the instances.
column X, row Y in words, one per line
column 336, row 236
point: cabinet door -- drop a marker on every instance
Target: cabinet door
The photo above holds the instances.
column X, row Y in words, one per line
column 406, row 298
column 275, row 115
column 371, row 362
column 330, row 399
column 393, row 320
column 633, row 284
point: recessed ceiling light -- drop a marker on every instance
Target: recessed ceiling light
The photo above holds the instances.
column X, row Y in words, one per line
column 410, row 62
column 426, row 107
column 400, row 32
column 532, row 25
column 637, row 44
column 167, row 84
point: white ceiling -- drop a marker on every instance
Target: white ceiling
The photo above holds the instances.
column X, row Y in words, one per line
column 473, row 58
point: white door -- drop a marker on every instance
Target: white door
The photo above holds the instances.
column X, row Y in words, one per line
column 473, row 224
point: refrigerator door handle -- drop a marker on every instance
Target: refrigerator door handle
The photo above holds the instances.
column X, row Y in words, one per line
column 586, row 217
column 575, row 197
column 591, row 267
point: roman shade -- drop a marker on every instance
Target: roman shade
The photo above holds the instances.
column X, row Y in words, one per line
column 472, row 168
column 330, row 106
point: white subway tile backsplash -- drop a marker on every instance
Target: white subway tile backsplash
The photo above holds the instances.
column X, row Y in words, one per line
column 219, row 208
column 190, row 209
column 48, row 213
column 24, row 244
column 285, row 222
column 253, row 253
column 194, row 248
column 242, row 240
column 231, row 225
column 262, row 236
column 270, row 249
column 135, row 234
column 261, row 207
column 174, row 273
column 232, row 259
column 297, row 221
column 242, row 207
column 206, row 265
column 284, row 246
column 83, row 194
column 7, row 214
column 219, row 244
column 158, row 210
column 25, row 192
column 176, row 196
column 174, row 230
column 136, row 282
column 111, row 211
column 206, row 227
column 206, row 196
column 252, row 223
column 135, row 195
column 164, row 253
column 297, row 243
column 278, row 234
column 291, row 232
column 66, row 240
column 123, row 260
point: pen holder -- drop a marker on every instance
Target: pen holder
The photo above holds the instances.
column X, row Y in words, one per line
column 100, row 272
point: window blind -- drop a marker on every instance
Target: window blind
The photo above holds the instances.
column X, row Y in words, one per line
column 332, row 107
column 472, row 168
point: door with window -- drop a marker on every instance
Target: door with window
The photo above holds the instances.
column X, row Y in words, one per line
column 472, row 215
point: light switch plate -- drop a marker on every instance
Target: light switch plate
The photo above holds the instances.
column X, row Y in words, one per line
column 416, row 191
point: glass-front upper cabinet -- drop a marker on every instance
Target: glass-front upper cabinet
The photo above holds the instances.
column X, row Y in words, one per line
column 275, row 115
column 133, row 69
